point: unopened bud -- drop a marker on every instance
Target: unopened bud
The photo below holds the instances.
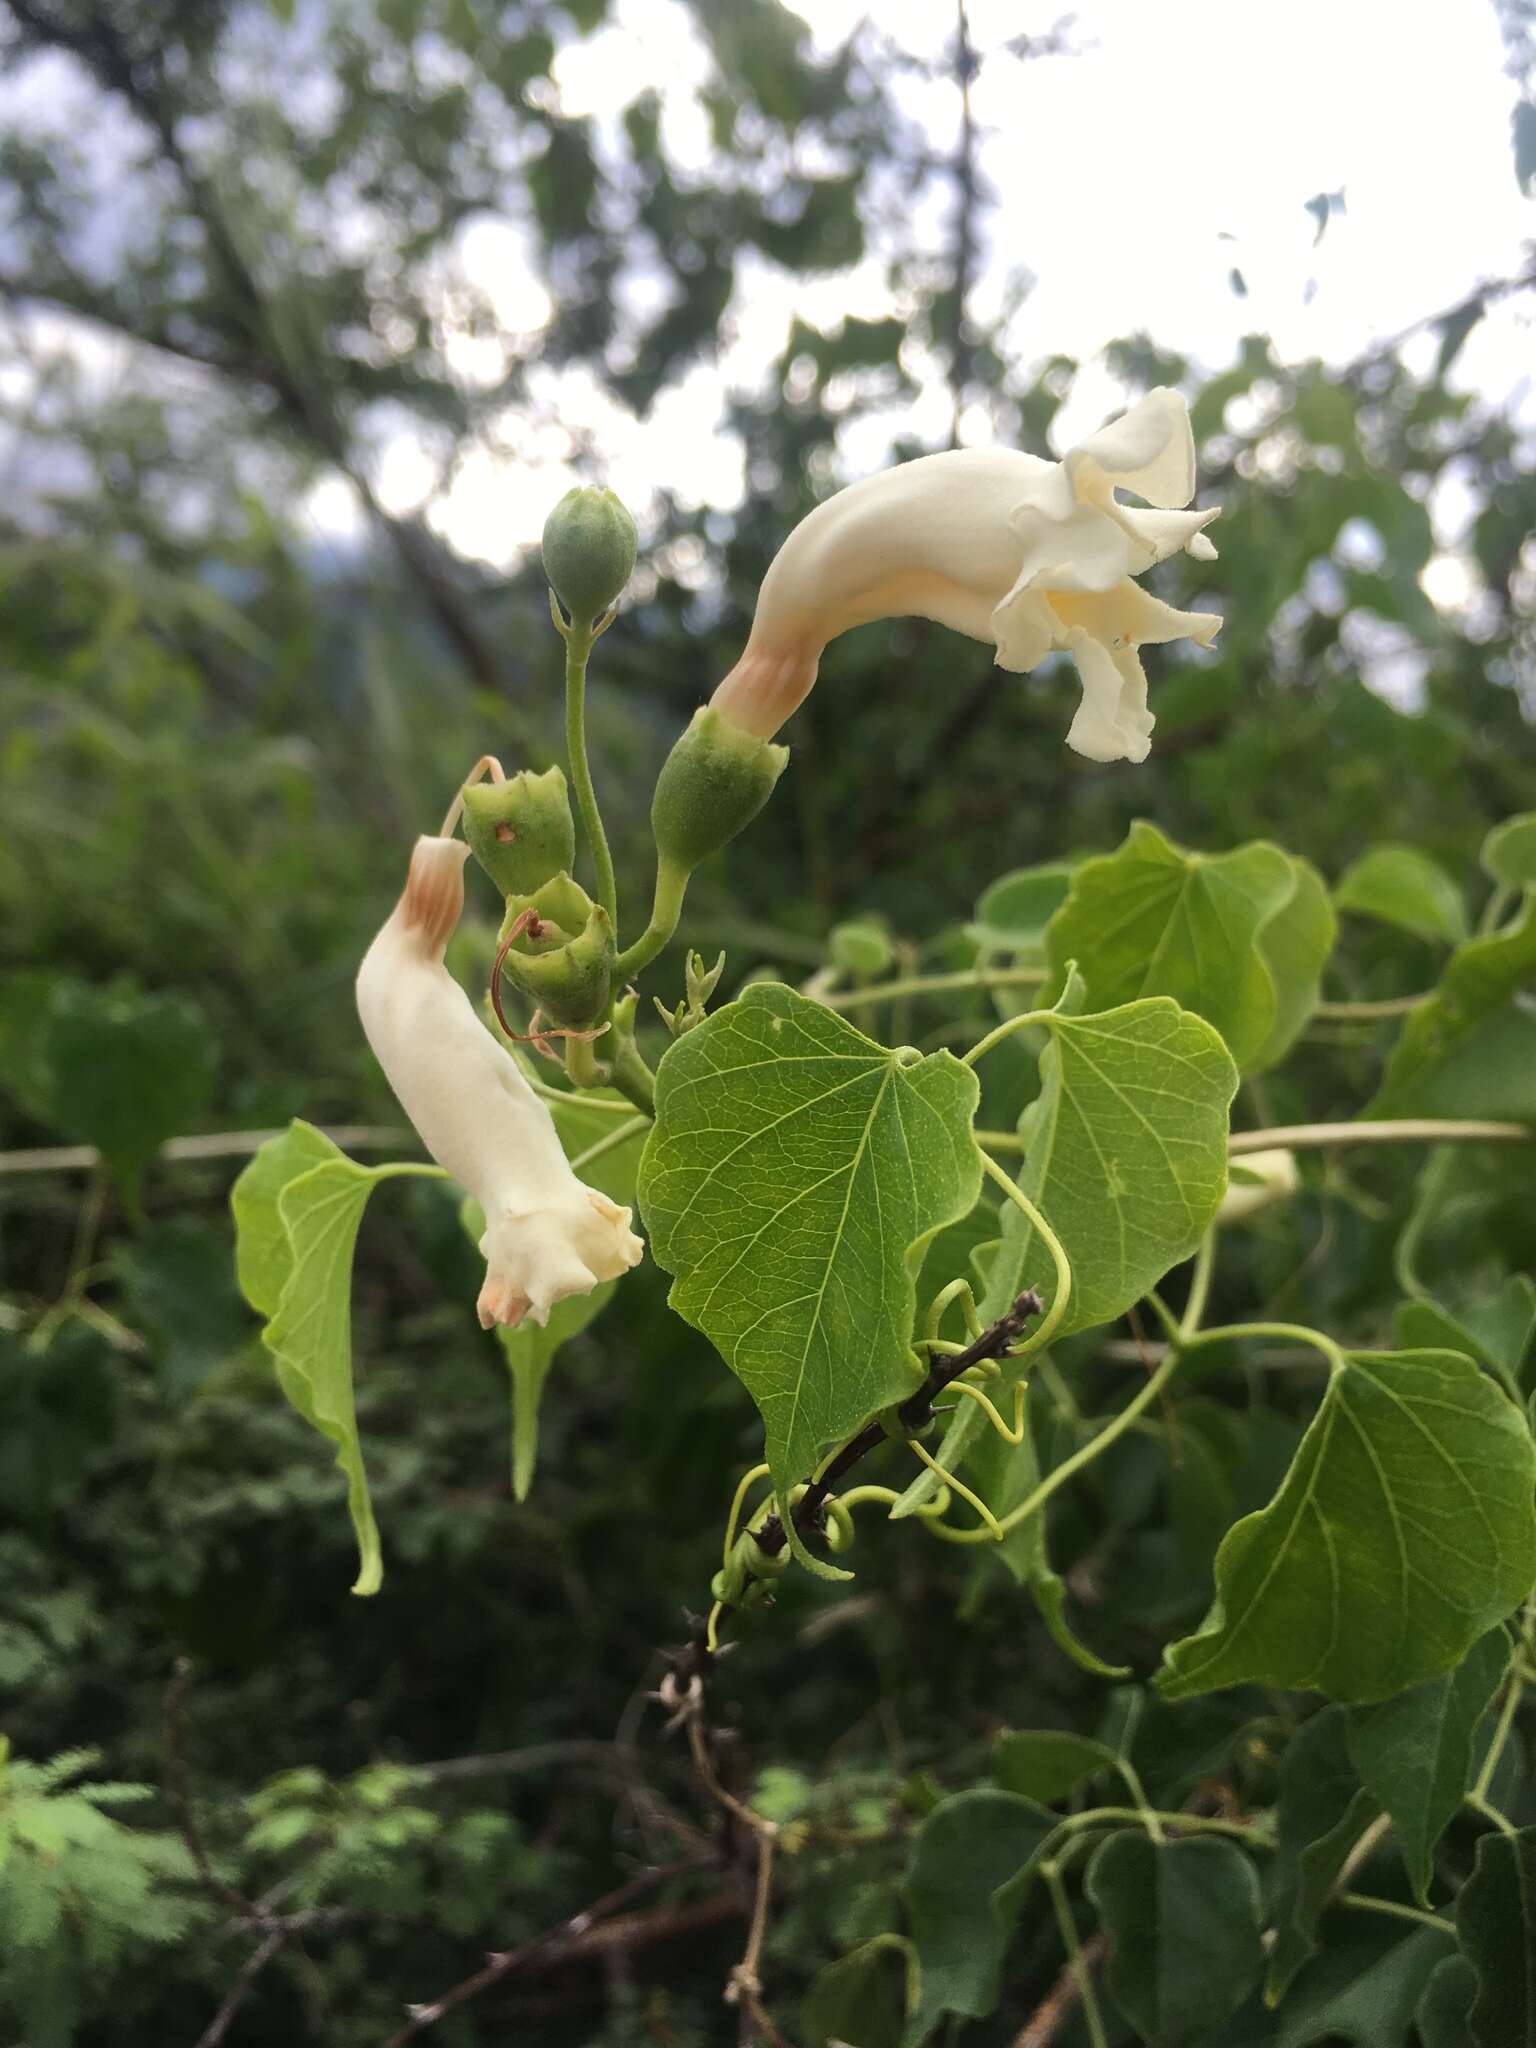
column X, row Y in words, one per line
column 521, row 829
column 1257, row 1181
column 589, row 551
column 862, row 948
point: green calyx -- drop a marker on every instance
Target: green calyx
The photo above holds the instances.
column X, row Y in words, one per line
column 520, row 830
column 589, row 552
column 712, row 784
column 562, row 959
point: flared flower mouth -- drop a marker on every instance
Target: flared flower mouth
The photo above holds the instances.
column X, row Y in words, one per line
column 1033, row 556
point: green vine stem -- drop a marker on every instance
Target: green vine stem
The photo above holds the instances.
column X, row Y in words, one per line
column 1417, row 1130
column 930, row 985
column 611, row 1141
column 578, row 646
column 1506, row 1721
column 1061, row 1905
column 1095, row 1447
column 666, row 909
column 1042, row 1335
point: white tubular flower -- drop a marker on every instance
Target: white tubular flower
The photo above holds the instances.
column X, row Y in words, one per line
column 1028, row 554
column 1257, row 1181
column 547, row 1234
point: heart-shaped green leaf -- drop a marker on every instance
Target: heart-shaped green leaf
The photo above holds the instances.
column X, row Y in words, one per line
column 1398, row 885
column 794, row 1174
column 1403, row 1531
column 1153, row 920
column 297, row 1209
column 1183, row 1921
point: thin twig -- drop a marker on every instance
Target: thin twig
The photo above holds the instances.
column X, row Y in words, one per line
column 744, row 1987
column 1062, row 2000
column 529, row 1953
column 235, row 1997
column 174, row 1724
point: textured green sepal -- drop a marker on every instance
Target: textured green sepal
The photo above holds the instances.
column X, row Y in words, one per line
column 589, row 552
column 521, row 830
column 563, row 961
column 712, row 784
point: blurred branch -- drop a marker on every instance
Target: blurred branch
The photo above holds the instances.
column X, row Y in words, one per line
column 235, row 1997
column 210, row 1145
column 176, row 1791
column 580, row 1934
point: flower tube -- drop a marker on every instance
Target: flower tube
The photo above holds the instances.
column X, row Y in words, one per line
column 547, row 1235
column 1028, row 554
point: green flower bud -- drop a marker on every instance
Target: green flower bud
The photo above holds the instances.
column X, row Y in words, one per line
column 589, row 552
column 562, row 961
column 861, row 947
column 521, row 829
column 712, row 784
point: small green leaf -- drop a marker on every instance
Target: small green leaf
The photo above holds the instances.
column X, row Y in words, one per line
column 1046, row 1764
column 298, row 1273
column 263, row 1251
column 861, row 947
column 1296, row 943
column 1363, row 1992
column 25, row 1070
column 1497, row 1327
column 1153, row 920
column 1496, row 1922
column 1414, row 1752
column 1126, row 1156
column 1509, row 852
column 310, row 1336
column 1403, row 1531
column 129, row 1071
column 1323, row 1812
column 528, row 1350
column 529, row 1353
column 795, row 1172
column 1012, row 914
column 971, row 1860
column 1400, row 886
column 1452, row 1026
column 864, row 2000
column 1006, row 1475
column 1184, row 1922
column 1443, row 2015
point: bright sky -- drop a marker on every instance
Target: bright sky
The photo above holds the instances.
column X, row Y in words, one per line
column 1182, row 140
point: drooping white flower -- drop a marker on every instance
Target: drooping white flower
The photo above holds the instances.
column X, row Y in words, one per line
column 547, row 1234
column 1028, row 554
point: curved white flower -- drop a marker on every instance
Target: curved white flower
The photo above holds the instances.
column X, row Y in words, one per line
column 547, row 1234
column 1028, row 554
